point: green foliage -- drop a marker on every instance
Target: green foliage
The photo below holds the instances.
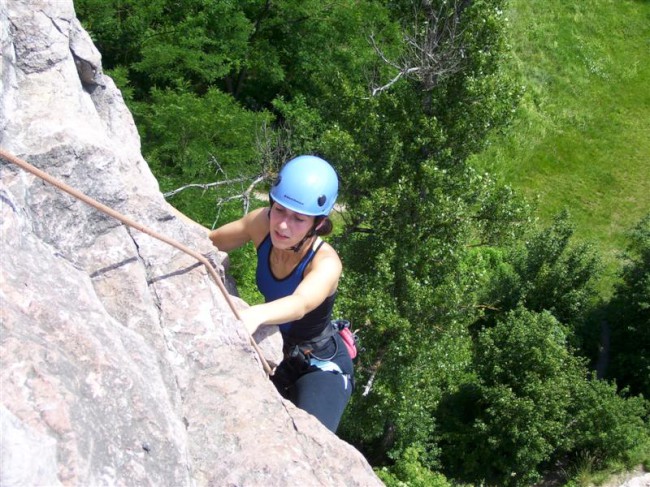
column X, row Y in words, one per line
column 502, row 427
column 533, row 402
column 119, row 27
column 120, row 76
column 413, row 211
column 629, row 316
column 302, row 48
column 195, row 43
column 608, row 427
column 544, row 271
column 465, row 309
column 168, row 44
column 304, row 121
column 197, row 137
column 408, row 471
column 243, row 274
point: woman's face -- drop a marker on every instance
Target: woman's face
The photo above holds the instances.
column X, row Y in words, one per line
column 288, row 227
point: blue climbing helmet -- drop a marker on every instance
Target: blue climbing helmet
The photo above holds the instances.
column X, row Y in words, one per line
column 307, row 185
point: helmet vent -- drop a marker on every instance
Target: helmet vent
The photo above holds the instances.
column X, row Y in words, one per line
column 277, row 181
column 321, row 200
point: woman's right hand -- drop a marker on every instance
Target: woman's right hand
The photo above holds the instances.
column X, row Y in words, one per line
column 251, row 318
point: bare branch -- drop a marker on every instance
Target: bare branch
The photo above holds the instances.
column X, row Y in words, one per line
column 434, row 50
column 247, row 194
column 488, row 307
column 273, row 147
column 368, row 387
column 203, row 186
column 381, row 53
column 375, row 368
column 404, row 72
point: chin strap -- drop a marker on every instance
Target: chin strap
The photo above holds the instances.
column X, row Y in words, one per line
column 296, row 248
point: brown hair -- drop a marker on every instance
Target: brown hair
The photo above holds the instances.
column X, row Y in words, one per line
column 323, row 226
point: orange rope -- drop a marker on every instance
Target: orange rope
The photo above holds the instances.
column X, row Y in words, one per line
column 132, row 223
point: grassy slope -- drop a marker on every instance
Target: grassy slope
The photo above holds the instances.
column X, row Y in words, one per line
column 582, row 136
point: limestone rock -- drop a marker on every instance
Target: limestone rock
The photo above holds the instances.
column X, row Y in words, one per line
column 121, row 362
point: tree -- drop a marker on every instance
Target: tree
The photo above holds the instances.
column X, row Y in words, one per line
column 545, row 271
column 415, row 213
column 434, row 45
column 437, row 256
column 533, row 402
column 629, row 316
column 167, row 44
column 226, row 81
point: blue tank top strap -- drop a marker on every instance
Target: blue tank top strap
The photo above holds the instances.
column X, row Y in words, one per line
column 300, row 268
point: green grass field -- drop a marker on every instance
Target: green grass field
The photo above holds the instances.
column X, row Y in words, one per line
column 581, row 138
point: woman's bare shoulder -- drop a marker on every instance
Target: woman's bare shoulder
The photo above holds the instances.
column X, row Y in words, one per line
column 257, row 222
column 326, row 266
column 326, row 253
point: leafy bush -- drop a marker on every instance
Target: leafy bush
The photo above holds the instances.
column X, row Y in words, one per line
column 409, row 472
column 545, row 272
column 607, row 427
column 533, row 403
column 200, row 137
column 500, row 429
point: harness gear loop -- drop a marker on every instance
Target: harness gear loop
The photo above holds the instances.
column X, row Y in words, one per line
column 138, row 226
column 307, row 347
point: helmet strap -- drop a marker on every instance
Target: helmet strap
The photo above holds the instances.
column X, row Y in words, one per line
column 296, row 248
column 310, row 234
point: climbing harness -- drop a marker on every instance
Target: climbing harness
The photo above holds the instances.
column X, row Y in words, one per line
column 142, row 228
column 302, row 354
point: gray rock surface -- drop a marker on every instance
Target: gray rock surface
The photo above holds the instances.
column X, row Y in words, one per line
column 121, row 363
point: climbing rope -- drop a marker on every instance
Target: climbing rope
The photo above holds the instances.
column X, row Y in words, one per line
column 142, row 228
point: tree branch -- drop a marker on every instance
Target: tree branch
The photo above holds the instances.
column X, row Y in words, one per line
column 404, row 72
column 434, row 50
column 203, row 186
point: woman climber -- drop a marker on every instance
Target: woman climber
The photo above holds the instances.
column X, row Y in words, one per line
column 298, row 275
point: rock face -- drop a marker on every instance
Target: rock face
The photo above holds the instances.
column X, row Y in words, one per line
column 121, row 363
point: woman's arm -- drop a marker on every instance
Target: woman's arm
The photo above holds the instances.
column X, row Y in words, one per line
column 253, row 226
column 320, row 282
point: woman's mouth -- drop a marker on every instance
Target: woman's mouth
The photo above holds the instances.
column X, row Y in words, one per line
column 280, row 236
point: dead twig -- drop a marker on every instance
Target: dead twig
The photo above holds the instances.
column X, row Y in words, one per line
column 435, row 48
column 203, row 186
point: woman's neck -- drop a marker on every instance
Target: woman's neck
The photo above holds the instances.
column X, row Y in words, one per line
column 291, row 254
